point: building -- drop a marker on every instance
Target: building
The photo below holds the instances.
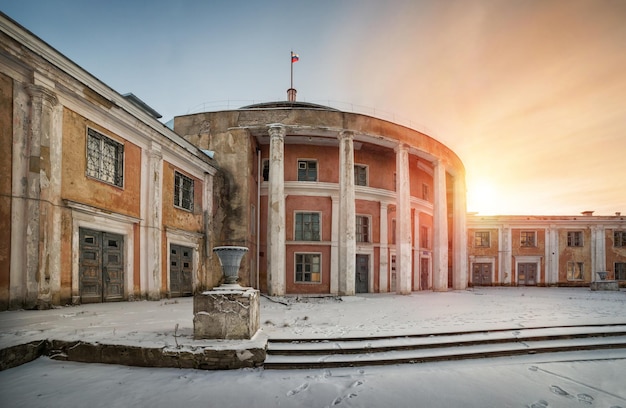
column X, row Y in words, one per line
column 546, row 250
column 99, row 201
column 332, row 202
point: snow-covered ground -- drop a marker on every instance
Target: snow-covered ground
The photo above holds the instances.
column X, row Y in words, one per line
column 593, row 379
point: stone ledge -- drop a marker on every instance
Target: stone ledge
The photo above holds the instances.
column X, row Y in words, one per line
column 199, row 357
column 604, row 285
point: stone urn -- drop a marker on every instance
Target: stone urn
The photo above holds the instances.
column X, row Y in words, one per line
column 230, row 259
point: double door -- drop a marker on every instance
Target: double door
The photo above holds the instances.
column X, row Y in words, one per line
column 101, row 266
column 527, row 274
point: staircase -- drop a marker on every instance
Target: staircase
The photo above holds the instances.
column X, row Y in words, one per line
column 347, row 352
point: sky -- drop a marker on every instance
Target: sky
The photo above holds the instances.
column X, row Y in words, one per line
column 531, row 94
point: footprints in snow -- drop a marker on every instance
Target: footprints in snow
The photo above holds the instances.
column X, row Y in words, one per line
column 555, row 389
column 351, row 392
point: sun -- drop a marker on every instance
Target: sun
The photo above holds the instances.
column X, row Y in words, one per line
column 483, row 198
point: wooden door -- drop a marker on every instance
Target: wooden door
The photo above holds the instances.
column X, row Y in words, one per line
column 101, row 266
column 362, row 274
column 181, row 267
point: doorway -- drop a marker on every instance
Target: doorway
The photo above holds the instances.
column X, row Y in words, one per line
column 527, row 274
column 101, row 266
column 362, row 274
column 481, row 274
column 424, row 263
column 181, row 261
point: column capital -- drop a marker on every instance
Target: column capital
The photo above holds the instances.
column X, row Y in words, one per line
column 43, row 93
column 401, row 147
column 345, row 134
column 277, row 130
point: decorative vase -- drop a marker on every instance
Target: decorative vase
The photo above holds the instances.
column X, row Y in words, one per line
column 230, row 259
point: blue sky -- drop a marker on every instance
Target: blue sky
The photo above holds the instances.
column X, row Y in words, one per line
column 530, row 93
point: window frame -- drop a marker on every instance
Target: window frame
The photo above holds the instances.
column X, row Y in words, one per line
column 575, row 239
column 359, row 234
column 619, row 269
column 179, row 191
column 523, row 242
column 365, row 169
column 303, row 273
column 265, row 170
column 118, row 164
column 619, row 239
column 424, row 237
column 307, row 169
column 571, row 270
column 479, row 235
column 425, row 192
column 303, row 236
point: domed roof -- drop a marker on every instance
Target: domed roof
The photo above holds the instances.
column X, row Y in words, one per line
column 289, row 105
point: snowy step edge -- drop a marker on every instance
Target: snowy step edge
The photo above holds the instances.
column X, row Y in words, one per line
column 601, row 326
column 404, row 343
column 448, row 353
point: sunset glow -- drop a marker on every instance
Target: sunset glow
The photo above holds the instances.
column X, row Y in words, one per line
column 530, row 94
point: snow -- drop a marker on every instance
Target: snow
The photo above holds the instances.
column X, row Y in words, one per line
column 581, row 378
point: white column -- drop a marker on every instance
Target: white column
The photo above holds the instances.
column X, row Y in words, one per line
column 383, row 269
column 151, row 265
column 276, row 236
column 440, row 230
column 598, row 251
column 459, row 266
column 334, row 247
column 416, row 249
column 403, row 221
column 504, row 255
column 347, row 214
column 552, row 255
column 207, row 211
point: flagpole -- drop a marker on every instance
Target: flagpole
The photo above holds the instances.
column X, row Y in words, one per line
column 291, row 59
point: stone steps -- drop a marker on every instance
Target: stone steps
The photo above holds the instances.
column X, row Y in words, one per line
column 341, row 352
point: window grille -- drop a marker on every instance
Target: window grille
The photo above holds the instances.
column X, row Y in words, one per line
column 105, row 158
column 183, row 191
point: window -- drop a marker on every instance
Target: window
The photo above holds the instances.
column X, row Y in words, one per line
column 307, row 227
column 360, row 175
column 619, row 238
column 425, row 192
column 183, row 191
column 481, row 239
column 424, row 238
column 575, row 239
column 105, row 158
column 308, row 268
column 362, row 228
column 574, row 271
column 307, row 170
column 266, row 170
column 620, row 271
column 528, row 238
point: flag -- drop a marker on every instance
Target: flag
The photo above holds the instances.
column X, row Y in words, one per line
column 294, row 57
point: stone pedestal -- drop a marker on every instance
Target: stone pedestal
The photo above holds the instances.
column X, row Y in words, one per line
column 226, row 312
column 604, row 285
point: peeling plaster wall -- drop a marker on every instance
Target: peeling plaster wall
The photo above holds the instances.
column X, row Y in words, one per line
column 6, row 155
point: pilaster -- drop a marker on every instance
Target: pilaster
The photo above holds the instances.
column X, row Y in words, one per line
column 459, row 267
column 151, row 241
column 383, row 270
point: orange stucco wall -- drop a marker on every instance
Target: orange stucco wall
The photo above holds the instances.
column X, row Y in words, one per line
column 327, row 161
column 574, row 254
column 76, row 186
column 613, row 254
column 381, row 164
column 176, row 217
column 538, row 250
